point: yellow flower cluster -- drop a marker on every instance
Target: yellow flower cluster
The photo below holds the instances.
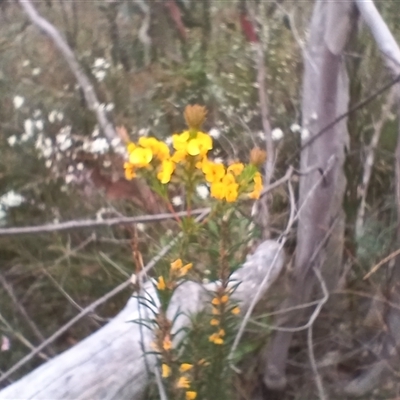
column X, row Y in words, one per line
column 219, row 303
column 190, row 149
column 218, row 337
column 184, row 382
column 177, row 270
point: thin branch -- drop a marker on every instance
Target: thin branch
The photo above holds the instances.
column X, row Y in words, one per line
column 369, row 161
column 265, row 120
column 317, row 376
column 91, row 308
column 96, row 223
column 8, row 288
column 83, row 81
column 21, row 338
column 356, row 107
column 380, row 263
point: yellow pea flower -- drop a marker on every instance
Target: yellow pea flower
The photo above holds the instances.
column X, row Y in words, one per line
column 236, row 168
column 183, row 383
column 190, row 395
column 159, row 149
column 166, row 371
column 130, row 147
column 167, row 344
column 224, row 299
column 216, row 339
column 217, row 190
column 178, row 156
column 176, row 265
column 226, row 189
column 214, row 172
column 214, row 322
column 141, row 157
column 235, row 311
column 167, row 169
column 161, row 283
column 179, row 141
column 231, row 193
column 199, row 145
column 215, row 301
column 258, row 186
column 185, row 269
column 185, row 367
column 129, row 171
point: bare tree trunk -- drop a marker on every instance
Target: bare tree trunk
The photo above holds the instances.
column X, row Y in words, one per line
column 321, row 222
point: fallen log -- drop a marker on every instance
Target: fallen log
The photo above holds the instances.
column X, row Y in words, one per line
column 112, row 363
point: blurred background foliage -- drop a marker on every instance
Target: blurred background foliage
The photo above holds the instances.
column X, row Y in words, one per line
column 51, row 149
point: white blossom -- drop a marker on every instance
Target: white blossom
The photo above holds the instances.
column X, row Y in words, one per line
column 140, row 227
column 36, row 71
column 277, row 134
column 63, row 138
column 52, row 116
column 218, row 160
column 100, row 75
column 12, row 140
column 101, row 63
column 39, row 124
column 295, row 128
column 5, row 343
column 202, row 191
column 26, row 63
column 305, row 133
column 18, row 101
column 177, row 201
column 28, row 130
column 261, row 135
column 99, row 145
column 168, row 140
column 215, row 133
column 11, row 199
column 69, row 178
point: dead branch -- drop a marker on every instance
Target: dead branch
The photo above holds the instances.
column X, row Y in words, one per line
column 62, row 226
column 83, row 81
column 369, row 162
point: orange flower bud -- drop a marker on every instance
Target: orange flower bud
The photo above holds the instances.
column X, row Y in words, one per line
column 257, row 156
column 195, row 116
